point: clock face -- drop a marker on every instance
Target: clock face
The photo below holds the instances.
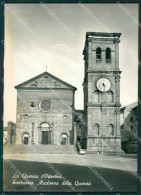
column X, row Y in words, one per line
column 103, row 84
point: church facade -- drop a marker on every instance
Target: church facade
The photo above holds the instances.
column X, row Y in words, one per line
column 45, row 111
column 45, row 103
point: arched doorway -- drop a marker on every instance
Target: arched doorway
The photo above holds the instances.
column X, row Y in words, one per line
column 25, row 138
column 64, row 139
column 45, row 133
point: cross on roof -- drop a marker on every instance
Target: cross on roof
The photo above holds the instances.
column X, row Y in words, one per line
column 46, row 68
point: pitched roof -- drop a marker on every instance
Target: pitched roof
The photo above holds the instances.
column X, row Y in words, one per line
column 41, row 75
column 132, row 105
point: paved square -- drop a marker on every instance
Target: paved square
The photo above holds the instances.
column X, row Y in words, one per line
column 85, row 173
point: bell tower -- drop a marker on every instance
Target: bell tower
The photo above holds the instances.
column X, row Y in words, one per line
column 102, row 92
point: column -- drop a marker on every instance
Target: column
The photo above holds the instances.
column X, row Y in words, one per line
column 118, row 121
column 32, row 138
column 89, row 55
column 103, row 114
column 75, row 133
column 39, row 135
column 52, row 137
column 103, row 59
column 52, row 133
column 90, row 87
column 117, row 82
column 117, row 55
column 93, row 58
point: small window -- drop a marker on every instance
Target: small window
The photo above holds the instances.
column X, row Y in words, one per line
column 32, row 104
column 26, row 116
column 131, row 127
column 108, row 55
column 131, row 119
column 122, row 127
column 78, row 139
column 98, row 55
column 65, row 117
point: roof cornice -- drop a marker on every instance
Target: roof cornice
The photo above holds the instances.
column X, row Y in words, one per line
column 20, row 86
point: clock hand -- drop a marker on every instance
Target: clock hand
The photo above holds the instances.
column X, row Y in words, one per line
column 103, row 85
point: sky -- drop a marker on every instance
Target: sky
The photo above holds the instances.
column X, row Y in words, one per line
column 53, row 35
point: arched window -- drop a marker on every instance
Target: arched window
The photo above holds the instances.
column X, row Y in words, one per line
column 108, row 55
column 98, row 55
column 110, row 130
column 25, row 138
column 96, row 96
column 96, row 129
column 64, row 139
column 110, row 96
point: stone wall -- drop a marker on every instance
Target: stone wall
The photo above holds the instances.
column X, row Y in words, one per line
column 102, row 109
column 60, row 117
column 129, row 122
column 129, row 128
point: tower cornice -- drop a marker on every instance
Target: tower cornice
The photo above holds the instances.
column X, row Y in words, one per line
column 104, row 71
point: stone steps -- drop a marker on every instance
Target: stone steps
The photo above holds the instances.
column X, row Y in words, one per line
column 40, row 149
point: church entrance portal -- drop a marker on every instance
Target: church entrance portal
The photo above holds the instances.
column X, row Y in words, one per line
column 45, row 133
column 46, row 137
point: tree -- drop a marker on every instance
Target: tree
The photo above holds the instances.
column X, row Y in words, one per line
column 12, row 131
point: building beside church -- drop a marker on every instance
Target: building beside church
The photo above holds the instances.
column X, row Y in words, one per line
column 45, row 103
column 129, row 128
